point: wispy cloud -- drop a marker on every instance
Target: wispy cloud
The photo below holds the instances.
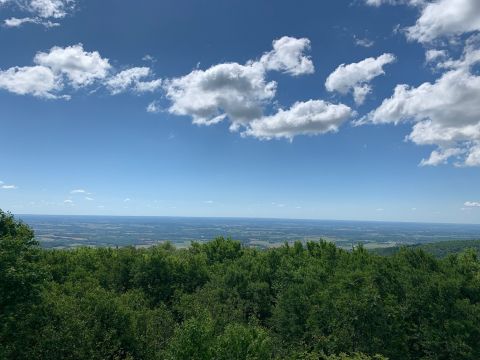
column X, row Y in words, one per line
column 153, row 107
column 149, row 58
column 363, row 42
column 17, row 22
column 78, row 191
column 472, row 204
column 9, row 187
column 41, row 12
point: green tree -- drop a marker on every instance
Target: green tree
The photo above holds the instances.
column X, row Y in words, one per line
column 243, row 342
column 194, row 339
column 20, row 285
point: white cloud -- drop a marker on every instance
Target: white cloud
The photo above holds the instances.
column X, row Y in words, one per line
column 355, row 77
column 233, row 91
column 148, row 86
column 17, row 22
column 68, row 201
column 132, row 79
column 472, row 204
column 288, row 56
column 432, row 55
column 72, row 66
column 127, row 200
column 51, row 8
column 89, row 198
column 225, row 90
column 149, row 58
column 8, row 187
column 395, row 2
column 363, row 42
column 153, row 107
column 57, row 68
column 312, row 117
column 80, row 67
column 38, row 81
column 78, row 191
column 438, row 157
column 445, row 113
column 239, row 93
column 360, row 93
column 446, row 18
column 473, row 157
column 41, row 11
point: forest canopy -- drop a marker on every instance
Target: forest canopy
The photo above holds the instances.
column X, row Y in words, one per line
column 220, row 300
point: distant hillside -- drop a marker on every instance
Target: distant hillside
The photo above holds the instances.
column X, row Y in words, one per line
column 438, row 249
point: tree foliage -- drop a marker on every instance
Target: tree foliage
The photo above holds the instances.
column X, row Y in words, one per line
column 222, row 301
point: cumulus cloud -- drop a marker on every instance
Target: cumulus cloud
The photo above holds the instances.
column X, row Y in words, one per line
column 240, row 93
column 51, row 8
column 38, row 81
column 433, row 55
column 473, row 157
column 133, row 78
column 234, row 91
column 54, row 70
column 445, row 113
column 312, row 117
column 360, row 93
column 79, row 66
column 441, row 156
column 445, row 18
column 73, row 67
column 355, row 77
column 225, row 90
column 288, row 55
column 439, row 19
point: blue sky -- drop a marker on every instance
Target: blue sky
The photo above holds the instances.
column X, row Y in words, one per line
column 223, row 108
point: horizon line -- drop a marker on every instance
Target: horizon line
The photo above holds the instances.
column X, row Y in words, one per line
column 254, row 218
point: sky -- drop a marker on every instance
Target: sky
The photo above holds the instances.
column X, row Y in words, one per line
column 335, row 109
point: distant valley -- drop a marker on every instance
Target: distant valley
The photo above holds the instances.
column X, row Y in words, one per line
column 111, row 231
